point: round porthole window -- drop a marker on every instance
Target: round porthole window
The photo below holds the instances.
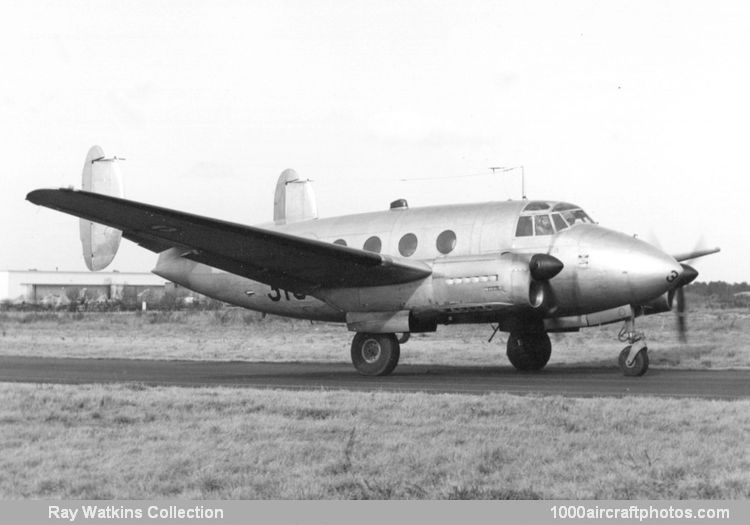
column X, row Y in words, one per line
column 407, row 245
column 342, row 242
column 446, row 241
column 373, row 244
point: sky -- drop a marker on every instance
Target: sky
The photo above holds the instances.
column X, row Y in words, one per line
column 637, row 111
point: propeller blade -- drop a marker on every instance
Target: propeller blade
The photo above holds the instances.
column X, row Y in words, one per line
column 687, row 276
column 695, row 254
column 681, row 315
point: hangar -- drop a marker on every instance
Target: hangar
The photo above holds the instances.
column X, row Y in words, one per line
column 57, row 288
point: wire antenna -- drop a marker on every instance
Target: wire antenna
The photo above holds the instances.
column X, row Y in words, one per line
column 505, row 169
column 493, row 169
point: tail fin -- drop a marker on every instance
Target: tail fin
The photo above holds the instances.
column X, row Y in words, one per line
column 294, row 199
column 99, row 242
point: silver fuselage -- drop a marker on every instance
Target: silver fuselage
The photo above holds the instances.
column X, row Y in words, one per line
column 483, row 278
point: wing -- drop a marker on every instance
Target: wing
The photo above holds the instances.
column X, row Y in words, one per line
column 278, row 259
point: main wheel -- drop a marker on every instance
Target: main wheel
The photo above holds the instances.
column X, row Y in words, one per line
column 639, row 365
column 375, row 354
column 528, row 352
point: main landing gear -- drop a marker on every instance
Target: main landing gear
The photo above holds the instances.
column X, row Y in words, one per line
column 375, row 354
column 633, row 359
column 529, row 351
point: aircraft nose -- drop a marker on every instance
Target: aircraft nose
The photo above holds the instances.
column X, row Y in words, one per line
column 650, row 271
column 613, row 269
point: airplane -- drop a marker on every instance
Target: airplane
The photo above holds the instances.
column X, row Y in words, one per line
column 527, row 267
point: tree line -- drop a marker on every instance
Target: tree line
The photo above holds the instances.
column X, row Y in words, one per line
column 720, row 292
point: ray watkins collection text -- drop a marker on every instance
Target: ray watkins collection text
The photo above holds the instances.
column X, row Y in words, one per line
column 119, row 512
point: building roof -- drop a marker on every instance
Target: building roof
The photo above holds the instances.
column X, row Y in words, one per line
column 63, row 277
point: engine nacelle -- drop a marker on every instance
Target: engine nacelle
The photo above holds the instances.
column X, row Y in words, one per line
column 465, row 282
column 516, row 279
column 100, row 242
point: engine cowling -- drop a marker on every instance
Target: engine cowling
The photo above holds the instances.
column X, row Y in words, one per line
column 516, row 278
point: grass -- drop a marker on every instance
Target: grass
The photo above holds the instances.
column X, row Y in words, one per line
column 717, row 339
column 137, row 442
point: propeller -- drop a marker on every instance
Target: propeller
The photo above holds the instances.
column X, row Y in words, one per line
column 687, row 276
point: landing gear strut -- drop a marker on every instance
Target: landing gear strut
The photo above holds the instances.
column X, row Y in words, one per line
column 375, row 354
column 529, row 352
column 633, row 359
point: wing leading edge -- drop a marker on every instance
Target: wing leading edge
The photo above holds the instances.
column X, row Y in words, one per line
column 271, row 257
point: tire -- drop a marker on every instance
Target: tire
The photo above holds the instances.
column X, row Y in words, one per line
column 375, row 354
column 529, row 352
column 638, row 367
column 404, row 337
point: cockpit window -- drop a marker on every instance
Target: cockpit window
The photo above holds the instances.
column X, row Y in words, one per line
column 542, row 225
column 536, row 219
column 576, row 217
column 536, row 206
column 524, row 228
column 560, row 223
column 562, row 206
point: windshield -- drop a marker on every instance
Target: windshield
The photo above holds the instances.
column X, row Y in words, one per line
column 536, row 219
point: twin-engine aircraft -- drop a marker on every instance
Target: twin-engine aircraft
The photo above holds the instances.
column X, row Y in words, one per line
column 529, row 267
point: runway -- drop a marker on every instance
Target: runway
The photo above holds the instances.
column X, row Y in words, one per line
column 567, row 381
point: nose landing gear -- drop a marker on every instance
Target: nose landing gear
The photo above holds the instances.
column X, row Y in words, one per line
column 633, row 359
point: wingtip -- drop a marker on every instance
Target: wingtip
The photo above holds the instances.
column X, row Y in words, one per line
column 34, row 196
column 40, row 196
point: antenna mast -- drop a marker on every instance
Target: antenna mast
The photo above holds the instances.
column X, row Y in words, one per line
column 504, row 169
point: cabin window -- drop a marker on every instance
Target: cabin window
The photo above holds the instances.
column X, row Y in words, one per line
column 560, row 223
column 524, row 228
column 543, row 225
column 342, row 242
column 407, row 245
column 373, row 244
column 446, row 242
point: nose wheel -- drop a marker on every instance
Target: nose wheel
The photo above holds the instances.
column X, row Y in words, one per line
column 633, row 359
column 633, row 363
